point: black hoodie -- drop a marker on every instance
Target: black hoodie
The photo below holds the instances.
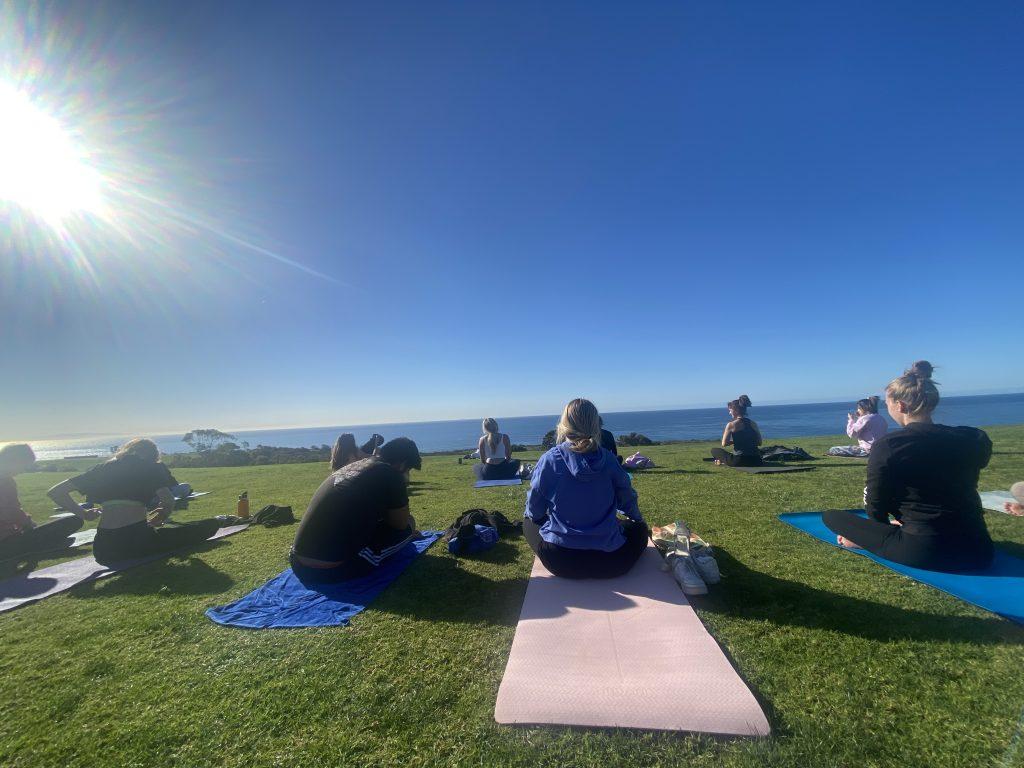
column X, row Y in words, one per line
column 926, row 476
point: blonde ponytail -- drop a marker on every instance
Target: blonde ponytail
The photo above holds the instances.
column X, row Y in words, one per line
column 581, row 426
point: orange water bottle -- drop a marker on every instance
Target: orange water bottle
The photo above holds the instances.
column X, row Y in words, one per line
column 243, row 505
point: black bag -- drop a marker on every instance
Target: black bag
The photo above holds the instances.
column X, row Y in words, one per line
column 272, row 516
column 463, row 528
column 782, row 453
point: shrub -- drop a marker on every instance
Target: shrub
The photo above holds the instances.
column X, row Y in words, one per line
column 634, row 438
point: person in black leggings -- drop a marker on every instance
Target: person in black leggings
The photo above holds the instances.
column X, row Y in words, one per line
column 576, row 492
column 19, row 534
column 123, row 487
column 741, row 433
column 925, row 478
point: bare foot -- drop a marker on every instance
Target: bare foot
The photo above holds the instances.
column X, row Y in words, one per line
column 842, row 541
column 1011, row 508
column 718, row 463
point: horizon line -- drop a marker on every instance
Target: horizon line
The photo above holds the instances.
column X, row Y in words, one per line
column 275, row 428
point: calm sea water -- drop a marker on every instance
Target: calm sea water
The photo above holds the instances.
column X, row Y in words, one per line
column 777, row 422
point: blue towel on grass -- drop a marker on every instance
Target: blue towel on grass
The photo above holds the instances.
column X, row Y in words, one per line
column 284, row 601
column 999, row 588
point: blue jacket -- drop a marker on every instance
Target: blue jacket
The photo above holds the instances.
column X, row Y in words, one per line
column 573, row 498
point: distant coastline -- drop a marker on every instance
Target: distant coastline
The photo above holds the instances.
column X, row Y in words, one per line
column 776, row 421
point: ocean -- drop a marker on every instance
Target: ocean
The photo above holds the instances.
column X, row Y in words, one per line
column 778, row 423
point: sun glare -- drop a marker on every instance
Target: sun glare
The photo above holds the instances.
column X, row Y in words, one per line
column 42, row 167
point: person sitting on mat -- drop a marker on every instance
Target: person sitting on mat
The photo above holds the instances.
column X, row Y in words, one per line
column 866, row 426
column 19, row 534
column 741, row 433
column 496, row 462
column 345, row 451
column 123, row 487
column 576, row 490
column 358, row 517
column 925, row 477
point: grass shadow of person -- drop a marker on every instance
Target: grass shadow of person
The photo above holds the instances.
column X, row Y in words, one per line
column 183, row 574
column 471, row 597
column 747, row 593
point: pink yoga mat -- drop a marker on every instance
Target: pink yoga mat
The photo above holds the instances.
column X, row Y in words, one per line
column 622, row 653
column 43, row 583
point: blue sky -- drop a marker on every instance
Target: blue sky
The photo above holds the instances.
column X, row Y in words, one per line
column 410, row 211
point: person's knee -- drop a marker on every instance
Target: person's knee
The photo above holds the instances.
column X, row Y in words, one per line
column 834, row 519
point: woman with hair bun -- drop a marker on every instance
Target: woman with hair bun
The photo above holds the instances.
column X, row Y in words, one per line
column 741, row 433
column 576, row 491
column 921, row 497
column 866, row 426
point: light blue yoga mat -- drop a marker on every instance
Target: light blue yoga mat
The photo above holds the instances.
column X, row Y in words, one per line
column 284, row 601
column 999, row 588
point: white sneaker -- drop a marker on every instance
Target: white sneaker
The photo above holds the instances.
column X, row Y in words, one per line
column 706, row 565
column 685, row 573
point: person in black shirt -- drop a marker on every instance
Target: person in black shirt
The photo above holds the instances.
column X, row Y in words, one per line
column 608, row 442
column 925, row 478
column 741, row 433
column 358, row 517
column 124, row 487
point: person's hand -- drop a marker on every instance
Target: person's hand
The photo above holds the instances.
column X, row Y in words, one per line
column 88, row 513
column 158, row 517
column 894, row 521
column 850, row 417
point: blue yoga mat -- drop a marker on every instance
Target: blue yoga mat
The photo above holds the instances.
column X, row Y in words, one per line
column 284, row 601
column 999, row 588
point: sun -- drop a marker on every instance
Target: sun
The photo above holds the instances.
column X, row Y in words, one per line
column 42, row 167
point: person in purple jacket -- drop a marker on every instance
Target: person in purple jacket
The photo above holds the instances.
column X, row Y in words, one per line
column 865, row 426
column 576, row 492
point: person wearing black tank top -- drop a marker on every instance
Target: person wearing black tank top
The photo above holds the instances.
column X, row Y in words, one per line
column 742, row 434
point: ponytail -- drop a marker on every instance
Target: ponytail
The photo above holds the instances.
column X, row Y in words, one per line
column 581, row 426
column 869, row 404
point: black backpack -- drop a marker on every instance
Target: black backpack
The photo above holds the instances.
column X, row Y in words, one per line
column 463, row 528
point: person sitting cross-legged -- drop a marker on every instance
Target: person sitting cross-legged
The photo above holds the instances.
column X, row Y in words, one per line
column 576, row 491
column 358, row 517
column 19, row 534
column 921, row 497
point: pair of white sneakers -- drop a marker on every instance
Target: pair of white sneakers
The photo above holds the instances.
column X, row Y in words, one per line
column 693, row 564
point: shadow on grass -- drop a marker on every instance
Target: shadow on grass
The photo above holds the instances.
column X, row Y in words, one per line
column 1011, row 548
column 755, row 595
column 190, row 576
column 677, row 472
column 440, row 589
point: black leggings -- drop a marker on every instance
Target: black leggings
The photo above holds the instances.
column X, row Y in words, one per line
column 588, row 563
column 736, row 459
column 48, row 536
column 115, row 545
column 507, row 470
column 934, row 553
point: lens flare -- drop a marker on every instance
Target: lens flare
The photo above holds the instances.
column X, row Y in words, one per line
column 43, row 168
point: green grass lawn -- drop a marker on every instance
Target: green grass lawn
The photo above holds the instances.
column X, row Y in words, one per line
column 855, row 665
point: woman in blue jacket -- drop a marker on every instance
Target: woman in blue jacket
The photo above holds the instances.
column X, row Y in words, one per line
column 576, row 490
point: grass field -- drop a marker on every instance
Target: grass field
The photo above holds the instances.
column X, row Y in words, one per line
column 855, row 665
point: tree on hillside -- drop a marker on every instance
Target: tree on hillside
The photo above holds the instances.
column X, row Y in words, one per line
column 205, row 440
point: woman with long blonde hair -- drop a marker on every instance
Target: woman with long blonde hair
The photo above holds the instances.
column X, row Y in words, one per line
column 496, row 462
column 921, row 496
column 124, row 488
column 576, row 493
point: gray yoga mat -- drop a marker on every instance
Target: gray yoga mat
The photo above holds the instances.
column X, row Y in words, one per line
column 994, row 500
column 627, row 652
column 32, row 587
column 492, row 483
